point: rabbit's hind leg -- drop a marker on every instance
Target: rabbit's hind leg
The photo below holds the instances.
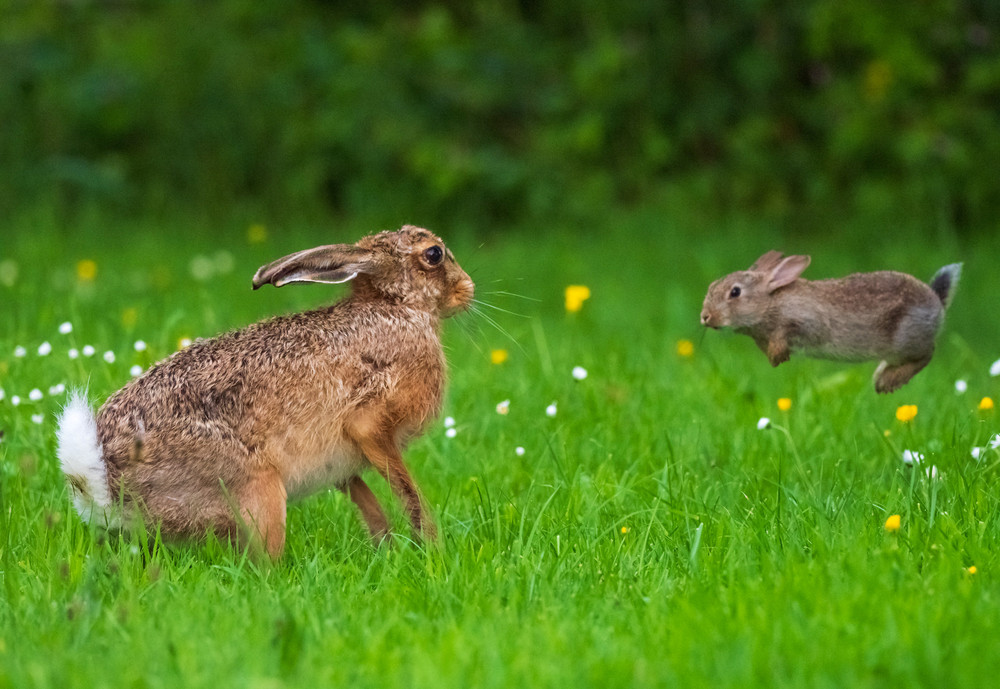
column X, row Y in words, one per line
column 891, row 378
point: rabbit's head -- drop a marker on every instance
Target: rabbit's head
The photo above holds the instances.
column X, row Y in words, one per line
column 410, row 266
column 743, row 299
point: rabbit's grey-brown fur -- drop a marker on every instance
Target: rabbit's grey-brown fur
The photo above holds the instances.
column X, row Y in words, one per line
column 888, row 316
column 221, row 434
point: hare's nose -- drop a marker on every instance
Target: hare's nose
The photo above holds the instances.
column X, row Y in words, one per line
column 705, row 316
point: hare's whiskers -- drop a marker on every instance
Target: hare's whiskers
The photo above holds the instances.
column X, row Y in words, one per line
column 492, row 321
column 497, row 308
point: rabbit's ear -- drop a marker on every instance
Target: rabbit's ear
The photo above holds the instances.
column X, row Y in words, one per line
column 787, row 271
column 331, row 264
column 767, row 262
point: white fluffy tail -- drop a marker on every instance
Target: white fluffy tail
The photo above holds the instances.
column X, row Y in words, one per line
column 82, row 461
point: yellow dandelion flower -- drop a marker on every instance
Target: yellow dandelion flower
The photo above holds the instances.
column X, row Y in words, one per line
column 498, row 356
column 906, row 412
column 86, row 270
column 784, row 404
column 986, row 404
column 575, row 296
column 624, row 529
column 130, row 316
column 685, row 348
column 256, row 234
column 892, row 523
column 971, row 569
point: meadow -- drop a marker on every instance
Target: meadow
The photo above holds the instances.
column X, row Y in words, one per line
column 633, row 526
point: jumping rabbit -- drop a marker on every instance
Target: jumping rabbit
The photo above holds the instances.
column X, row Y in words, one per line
column 218, row 436
column 885, row 315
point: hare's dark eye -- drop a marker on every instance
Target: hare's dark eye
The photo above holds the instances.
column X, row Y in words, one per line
column 433, row 255
column 735, row 292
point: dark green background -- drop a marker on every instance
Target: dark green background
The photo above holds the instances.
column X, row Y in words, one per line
column 492, row 113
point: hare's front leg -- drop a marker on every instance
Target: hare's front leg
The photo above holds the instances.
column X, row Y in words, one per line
column 361, row 495
column 383, row 453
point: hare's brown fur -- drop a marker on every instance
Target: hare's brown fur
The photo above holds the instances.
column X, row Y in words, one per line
column 221, row 434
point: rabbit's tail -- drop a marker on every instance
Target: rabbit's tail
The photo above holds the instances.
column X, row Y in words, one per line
column 945, row 281
column 82, row 461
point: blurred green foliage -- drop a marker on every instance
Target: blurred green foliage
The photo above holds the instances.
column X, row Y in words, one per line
column 502, row 111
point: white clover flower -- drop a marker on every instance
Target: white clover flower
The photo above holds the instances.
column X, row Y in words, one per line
column 224, row 262
column 140, row 346
column 8, row 272
column 109, row 356
column 451, row 432
column 185, row 342
column 519, row 451
column 449, row 422
column 135, row 371
column 579, row 372
column 38, row 418
column 74, row 353
column 503, row 408
column 44, row 349
column 995, row 442
column 35, row 395
column 995, row 368
column 202, row 268
column 15, row 400
column 961, row 386
column 977, row 452
column 20, row 352
column 57, row 389
column 88, row 350
column 551, row 410
column 910, row 457
column 763, row 423
column 66, row 328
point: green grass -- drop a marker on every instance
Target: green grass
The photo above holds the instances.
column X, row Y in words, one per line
column 650, row 535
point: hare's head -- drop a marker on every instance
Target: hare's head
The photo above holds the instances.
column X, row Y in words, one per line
column 742, row 299
column 410, row 266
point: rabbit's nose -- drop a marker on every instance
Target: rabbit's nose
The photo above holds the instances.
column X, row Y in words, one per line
column 705, row 316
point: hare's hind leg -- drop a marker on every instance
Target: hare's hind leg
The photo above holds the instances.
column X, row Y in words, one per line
column 359, row 492
column 891, row 378
column 191, row 485
column 261, row 502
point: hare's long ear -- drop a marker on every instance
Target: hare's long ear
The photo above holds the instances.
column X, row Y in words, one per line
column 787, row 271
column 767, row 262
column 331, row 264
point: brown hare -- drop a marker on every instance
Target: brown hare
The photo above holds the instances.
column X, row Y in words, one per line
column 218, row 436
column 887, row 316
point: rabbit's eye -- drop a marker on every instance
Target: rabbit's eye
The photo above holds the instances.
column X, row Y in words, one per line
column 433, row 255
column 735, row 292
